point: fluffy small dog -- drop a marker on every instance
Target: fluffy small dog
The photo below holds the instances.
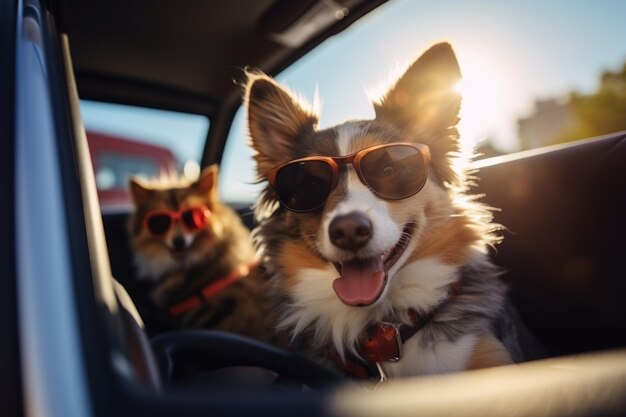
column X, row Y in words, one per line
column 199, row 256
column 378, row 257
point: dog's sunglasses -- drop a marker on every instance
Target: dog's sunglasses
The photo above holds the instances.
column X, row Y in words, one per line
column 159, row 222
column 392, row 171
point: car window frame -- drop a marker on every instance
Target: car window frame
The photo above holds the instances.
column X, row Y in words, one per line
column 10, row 370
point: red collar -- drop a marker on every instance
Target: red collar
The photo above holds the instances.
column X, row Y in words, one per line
column 210, row 290
column 382, row 342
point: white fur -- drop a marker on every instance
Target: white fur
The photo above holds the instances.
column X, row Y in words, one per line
column 386, row 231
column 420, row 285
column 345, row 135
column 438, row 358
column 152, row 267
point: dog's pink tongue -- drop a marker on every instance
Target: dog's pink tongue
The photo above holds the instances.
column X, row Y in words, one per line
column 361, row 281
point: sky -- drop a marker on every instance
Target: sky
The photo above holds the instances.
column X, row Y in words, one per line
column 183, row 133
column 511, row 53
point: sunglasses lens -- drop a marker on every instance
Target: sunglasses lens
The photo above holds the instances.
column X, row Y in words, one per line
column 158, row 224
column 394, row 171
column 304, row 186
column 194, row 218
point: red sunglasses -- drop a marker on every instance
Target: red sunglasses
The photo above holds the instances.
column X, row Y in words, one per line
column 159, row 222
column 392, row 171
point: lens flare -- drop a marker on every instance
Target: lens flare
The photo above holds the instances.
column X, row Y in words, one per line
column 481, row 102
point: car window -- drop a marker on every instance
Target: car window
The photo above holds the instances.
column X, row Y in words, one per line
column 129, row 140
column 534, row 72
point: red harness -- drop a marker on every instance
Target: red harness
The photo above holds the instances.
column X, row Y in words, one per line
column 210, row 290
column 382, row 342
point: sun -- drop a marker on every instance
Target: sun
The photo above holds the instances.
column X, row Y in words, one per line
column 481, row 90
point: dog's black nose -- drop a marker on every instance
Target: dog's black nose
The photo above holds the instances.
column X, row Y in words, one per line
column 350, row 231
column 178, row 243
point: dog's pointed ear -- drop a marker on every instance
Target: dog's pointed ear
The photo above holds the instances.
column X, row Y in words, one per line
column 207, row 181
column 425, row 96
column 139, row 193
column 275, row 121
column 425, row 100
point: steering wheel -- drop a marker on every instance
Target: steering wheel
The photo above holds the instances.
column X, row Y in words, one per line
column 208, row 350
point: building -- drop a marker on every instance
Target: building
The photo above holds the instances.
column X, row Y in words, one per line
column 550, row 118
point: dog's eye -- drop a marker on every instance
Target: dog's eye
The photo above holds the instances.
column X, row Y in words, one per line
column 389, row 170
column 380, row 164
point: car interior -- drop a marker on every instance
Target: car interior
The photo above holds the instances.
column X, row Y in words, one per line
column 562, row 208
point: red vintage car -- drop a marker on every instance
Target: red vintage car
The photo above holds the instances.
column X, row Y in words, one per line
column 115, row 159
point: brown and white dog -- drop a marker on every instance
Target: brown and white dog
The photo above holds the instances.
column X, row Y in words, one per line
column 199, row 257
column 378, row 257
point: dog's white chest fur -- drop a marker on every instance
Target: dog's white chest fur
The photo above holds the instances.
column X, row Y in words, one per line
column 437, row 358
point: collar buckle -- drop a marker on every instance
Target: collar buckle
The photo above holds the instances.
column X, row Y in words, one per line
column 382, row 342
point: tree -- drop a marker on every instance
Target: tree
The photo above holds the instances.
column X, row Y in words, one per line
column 601, row 112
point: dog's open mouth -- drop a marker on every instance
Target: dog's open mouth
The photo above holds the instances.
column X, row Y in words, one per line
column 362, row 281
